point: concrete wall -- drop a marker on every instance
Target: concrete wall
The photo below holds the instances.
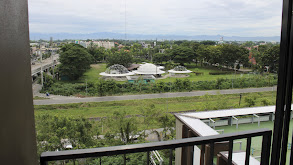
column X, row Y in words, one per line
column 17, row 128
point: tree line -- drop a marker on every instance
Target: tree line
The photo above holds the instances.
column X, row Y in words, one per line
column 111, row 87
column 75, row 59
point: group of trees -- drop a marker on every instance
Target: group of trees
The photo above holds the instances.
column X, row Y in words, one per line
column 54, row 133
column 267, row 58
column 111, row 87
column 224, row 54
column 75, row 60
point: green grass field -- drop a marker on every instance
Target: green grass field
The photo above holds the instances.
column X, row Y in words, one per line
column 92, row 74
column 206, row 76
column 133, row 107
column 256, row 142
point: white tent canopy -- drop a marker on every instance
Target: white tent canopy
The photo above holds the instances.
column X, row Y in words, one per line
column 148, row 68
column 116, row 71
column 116, row 75
column 179, row 69
column 173, row 71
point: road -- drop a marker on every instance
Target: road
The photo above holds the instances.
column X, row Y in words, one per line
column 46, row 63
column 53, row 99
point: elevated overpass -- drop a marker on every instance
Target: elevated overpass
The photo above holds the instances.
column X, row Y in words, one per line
column 45, row 65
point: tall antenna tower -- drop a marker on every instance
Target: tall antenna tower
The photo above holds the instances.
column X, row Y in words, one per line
column 51, row 41
column 125, row 22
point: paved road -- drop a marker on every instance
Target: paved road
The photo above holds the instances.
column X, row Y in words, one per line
column 49, row 61
column 65, row 100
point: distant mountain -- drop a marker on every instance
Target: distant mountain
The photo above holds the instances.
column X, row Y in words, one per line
column 110, row 35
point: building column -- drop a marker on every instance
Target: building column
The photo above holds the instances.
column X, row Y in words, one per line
column 17, row 125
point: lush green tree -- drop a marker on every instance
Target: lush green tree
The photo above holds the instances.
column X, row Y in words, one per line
column 122, row 126
column 150, row 115
column 101, row 87
column 215, row 55
column 136, row 48
column 167, row 121
column 48, row 81
column 122, row 57
column 66, row 47
column 208, row 42
column 232, row 53
column 270, row 58
column 75, row 60
column 55, row 132
column 204, row 53
column 248, row 44
column 243, row 55
column 182, row 55
column 98, row 53
column 161, row 57
column 194, row 46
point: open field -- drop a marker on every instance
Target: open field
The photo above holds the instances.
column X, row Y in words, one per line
column 206, row 76
column 179, row 104
column 92, row 75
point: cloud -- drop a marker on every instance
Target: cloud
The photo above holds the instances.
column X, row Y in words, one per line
column 184, row 17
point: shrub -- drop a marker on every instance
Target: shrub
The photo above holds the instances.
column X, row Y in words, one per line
column 219, row 73
column 265, row 102
column 250, row 101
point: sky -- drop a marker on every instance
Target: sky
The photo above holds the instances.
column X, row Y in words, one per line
column 171, row 17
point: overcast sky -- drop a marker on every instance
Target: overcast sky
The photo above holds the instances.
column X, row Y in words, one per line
column 177, row 17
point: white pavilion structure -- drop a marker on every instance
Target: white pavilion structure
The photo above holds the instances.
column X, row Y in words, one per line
column 116, row 71
column 179, row 70
column 149, row 69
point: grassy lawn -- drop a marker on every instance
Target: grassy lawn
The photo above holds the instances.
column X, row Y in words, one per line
column 92, row 74
column 206, row 76
column 40, row 98
column 256, row 142
column 133, row 107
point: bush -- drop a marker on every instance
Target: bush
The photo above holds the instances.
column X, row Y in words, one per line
column 250, row 101
column 219, row 73
column 111, row 87
column 265, row 102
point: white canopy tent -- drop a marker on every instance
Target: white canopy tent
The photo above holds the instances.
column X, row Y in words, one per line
column 150, row 69
column 174, row 71
column 180, row 70
column 116, row 75
column 116, row 71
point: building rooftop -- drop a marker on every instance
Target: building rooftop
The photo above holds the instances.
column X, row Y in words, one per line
column 230, row 112
column 197, row 126
column 148, row 68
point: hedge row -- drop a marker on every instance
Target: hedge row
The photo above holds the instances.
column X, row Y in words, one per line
column 111, row 87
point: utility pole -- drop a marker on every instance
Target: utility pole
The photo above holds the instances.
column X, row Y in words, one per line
column 42, row 80
column 53, row 65
column 86, row 86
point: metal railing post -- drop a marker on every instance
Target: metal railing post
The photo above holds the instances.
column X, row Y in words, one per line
column 171, row 157
column 247, row 155
column 148, row 158
column 266, row 148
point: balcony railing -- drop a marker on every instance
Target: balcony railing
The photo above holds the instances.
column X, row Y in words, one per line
column 147, row 147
